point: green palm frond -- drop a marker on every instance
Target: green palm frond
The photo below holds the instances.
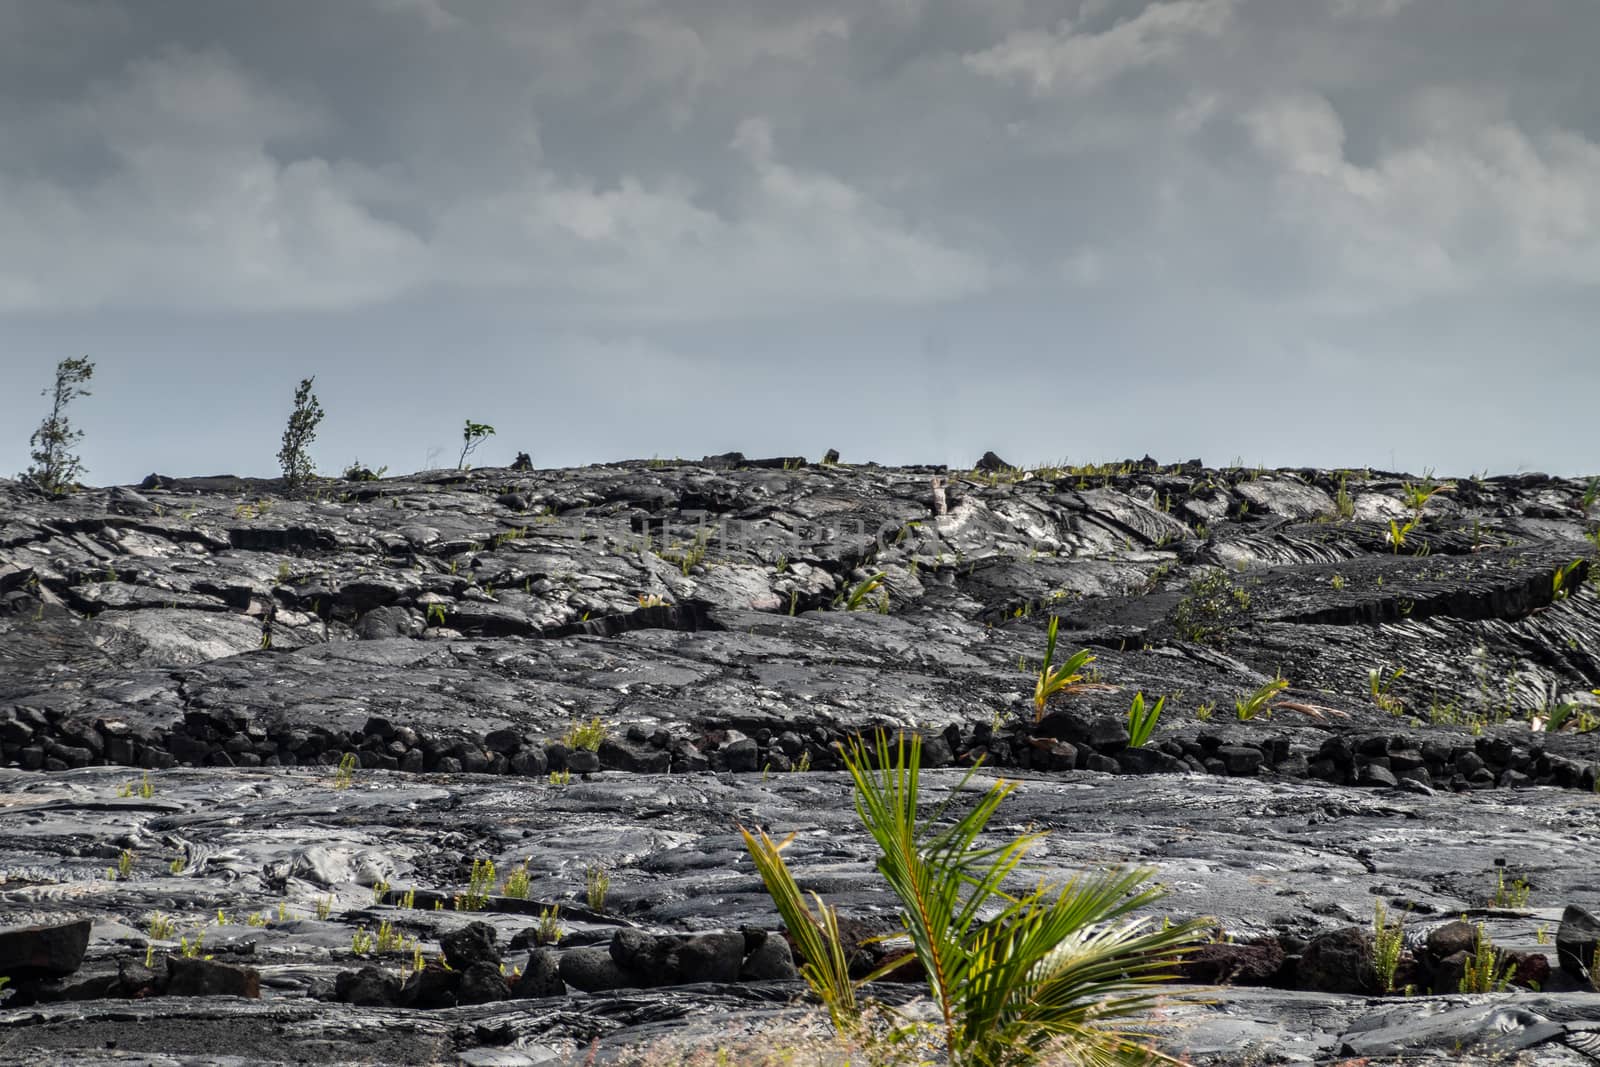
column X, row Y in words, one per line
column 1057, row 678
column 859, row 594
column 1011, row 974
column 824, row 964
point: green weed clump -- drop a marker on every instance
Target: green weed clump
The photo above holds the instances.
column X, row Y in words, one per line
column 1210, row 608
column 1259, row 702
column 1486, row 971
column 596, row 884
column 480, row 882
column 1381, row 686
column 1142, row 720
column 123, row 871
column 586, row 735
column 517, row 883
column 1514, row 895
column 549, row 931
column 1057, row 678
column 144, row 790
column 1388, row 939
column 855, row 598
column 345, row 776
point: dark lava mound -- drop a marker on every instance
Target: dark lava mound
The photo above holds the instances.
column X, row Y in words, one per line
column 258, row 751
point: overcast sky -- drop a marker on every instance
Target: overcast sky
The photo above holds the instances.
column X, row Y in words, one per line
column 1296, row 232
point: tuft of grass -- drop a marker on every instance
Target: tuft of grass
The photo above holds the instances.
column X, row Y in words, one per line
column 160, row 927
column 389, row 938
column 1381, row 685
column 1142, row 720
column 855, row 599
column 596, row 884
column 549, row 931
column 256, row 919
column 690, row 556
column 1563, row 580
column 123, row 871
column 193, row 949
column 1204, row 712
column 479, row 884
column 1388, row 939
column 1514, row 895
column 1397, row 534
column 1417, row 496
column 1055, row 679
column 1344, row 507
column 1210, row 607
column 324, row 907
column 516, row 884
column 1259, row 702
column 586, row 735
column 560, row 777
column 1486, row 970
column 143, row 790
column 345, row 776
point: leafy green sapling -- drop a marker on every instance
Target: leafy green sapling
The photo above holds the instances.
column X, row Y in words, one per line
column 298, row 435
column 56, row 469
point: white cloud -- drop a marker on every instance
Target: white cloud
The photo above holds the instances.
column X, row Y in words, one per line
column 1470, row 199
column 1368, row 9
column 1069, row 58
column 433, row 12
column 197, row 211
column 193, row 211
column 644, row 48
column 796, row 241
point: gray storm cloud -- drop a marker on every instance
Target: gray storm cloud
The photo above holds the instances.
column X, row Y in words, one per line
column 1128, row 226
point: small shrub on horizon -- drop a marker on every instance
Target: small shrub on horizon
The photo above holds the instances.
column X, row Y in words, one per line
column 472, row 435
column 55, row 470
column 298, row 435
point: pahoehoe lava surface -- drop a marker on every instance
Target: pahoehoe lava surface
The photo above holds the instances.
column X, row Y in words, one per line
column 184, row 664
